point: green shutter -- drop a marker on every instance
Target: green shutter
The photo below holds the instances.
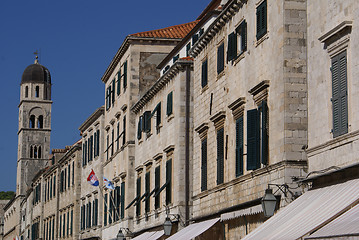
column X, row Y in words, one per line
column 138, row 194
column 139, row 128
column 239, row 146
column 105, row 211
column 72, row 222
column 220, row 156
column 204, row 165
column 119, row 82
column 147, row 190
column 157, row 185
column 169, row 181
column 188, row 47
column 339, row 97
column 147, row 121
column 261, row 20
column 194, row 39
column 113, row 90
column 220, row 58
column 204, row 73
column 125, row 75
column 117, row 201
column 68, row 223
column 169, row 103
column 264, row 137
column 122, row 200
column 158, row 115
column 253, row 144
column 232, row 46
column 242, row 31
column 124, row 131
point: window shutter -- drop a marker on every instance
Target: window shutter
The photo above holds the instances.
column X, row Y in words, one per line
column 264, row 138
column 138, row 191
column 98, row 142
column 205, row 73
column 339, row 98
column 147, row 190
column 194, row 39
column 261, row 19
column 122, row 200
column 113, row 90
column 157, row 185
column 253, row 139
column 119, row 82
column 125, row 75
column 72, row 222
column 220, row 58
column 169, row 103
column 232, row 46
column 243, row 27
column 239, row 146
column 139, row 128
column 147, row 121
column 54, row 189
column 105, row 211
column 68, row 224
column 175, row 58
column 220, row 156
column 124, row 131
column 204, row 165
column 188, row 47
column 117, row 201
column 169, row 181
column 158, row 115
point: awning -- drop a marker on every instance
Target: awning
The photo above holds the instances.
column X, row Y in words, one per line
column 193, row 230
column 345, row 225
column 311, row 210
column 149, row 235
column 243, row 212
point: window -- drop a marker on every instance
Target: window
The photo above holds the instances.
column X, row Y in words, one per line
column 239, row 146
column 95, row 211
column 105, row 211
column 188, row 47
column 147, row 190
column 32, row 121
column 204, row 79
column 220, row 156
column 169, row 181
column 117, row 200
column 169, row 103
column 108, row 97
column 139, row 127
column 157, row 111
column 40, row 122
column 122, row 200
column 166, row 69
column 204, row 164
column 237, row 41
column 175, row 58
column 138, row 195
column 113, row 91
column 220, row 58
column 339, row 94
column 257, row 137
column 261, row 19
column 124, row 131
column 147, row 121
column 157, row 185
column 194, row 39
column 37, row 91
column 26, row 91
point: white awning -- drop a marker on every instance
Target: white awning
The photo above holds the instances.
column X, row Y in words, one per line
column 193, row 230
column 243, row 212
column 345, row 225
column 311, row 210
column 149, row 235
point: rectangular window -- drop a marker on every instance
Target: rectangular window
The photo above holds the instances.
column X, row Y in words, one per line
column 147, row 121
column 113, row 91
column 257, row 137
column 54, row 188
column 188, row 47
column 232, row 46
column 105, row 211
column 204, row 79
column 169, row 181
column 241, row 31
column 339, row 94
column 124, row 131
column 117, row 202
column 157, row 112
column 220, row 156
column 169, row 103
column 239, row 146
column 139, row 128
column 118, row 136
column 194, row 39
column 261, row 19
column 60, row 223
column 204, row 165
column 69, row 175
column 175, row 58
column 157, row 185
column 112, row 141
column 220, row 58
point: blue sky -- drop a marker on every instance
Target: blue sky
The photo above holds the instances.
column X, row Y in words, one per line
column 77, row 40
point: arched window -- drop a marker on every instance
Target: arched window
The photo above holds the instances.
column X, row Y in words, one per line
column 37, row 91
column 40, row 122
column 26, row 91
column 35, row 152
column 39, row 152
column 32, row 121
column 31, row 152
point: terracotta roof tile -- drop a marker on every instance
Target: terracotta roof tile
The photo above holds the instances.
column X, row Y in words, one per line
column 177, row 31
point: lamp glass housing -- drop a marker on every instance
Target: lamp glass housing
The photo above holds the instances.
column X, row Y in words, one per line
column 120, row 235
column 167, row 226
column 269, row 202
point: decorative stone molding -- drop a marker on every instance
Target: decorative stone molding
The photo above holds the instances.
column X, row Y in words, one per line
column 112, row 121
column 337, row 39
column 122, row 175
column 168, row 150
column 218, row 119
column 117, row 114
column 237, row 107
column 202, row 130
column 260, row 91
column 124, row 107
column 148, row 163
column 158, row 156
column 139, row 169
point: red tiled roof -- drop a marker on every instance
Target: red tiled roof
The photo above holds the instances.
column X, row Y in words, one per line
column 177, row 31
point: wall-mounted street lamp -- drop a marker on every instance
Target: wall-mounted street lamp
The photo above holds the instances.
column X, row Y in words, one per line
column 167, row 225
column 122, row 233
column 269, row 201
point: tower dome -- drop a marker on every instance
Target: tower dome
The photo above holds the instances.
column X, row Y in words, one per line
column 36, row 73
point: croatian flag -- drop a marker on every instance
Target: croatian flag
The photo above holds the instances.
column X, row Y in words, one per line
column 92, row 179
column 108, row 183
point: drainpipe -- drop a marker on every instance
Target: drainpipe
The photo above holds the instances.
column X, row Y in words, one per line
column 187, row 141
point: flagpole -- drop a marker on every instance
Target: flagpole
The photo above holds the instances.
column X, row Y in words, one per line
column 109, row 212
column 116, row 209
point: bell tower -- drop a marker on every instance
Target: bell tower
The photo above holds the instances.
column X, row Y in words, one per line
column 34, row 124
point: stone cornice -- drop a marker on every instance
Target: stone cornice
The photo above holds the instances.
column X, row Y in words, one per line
column 125, row 45
column 34, row 101
column 180, row 65
column 216, row 26
column 92, row 118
